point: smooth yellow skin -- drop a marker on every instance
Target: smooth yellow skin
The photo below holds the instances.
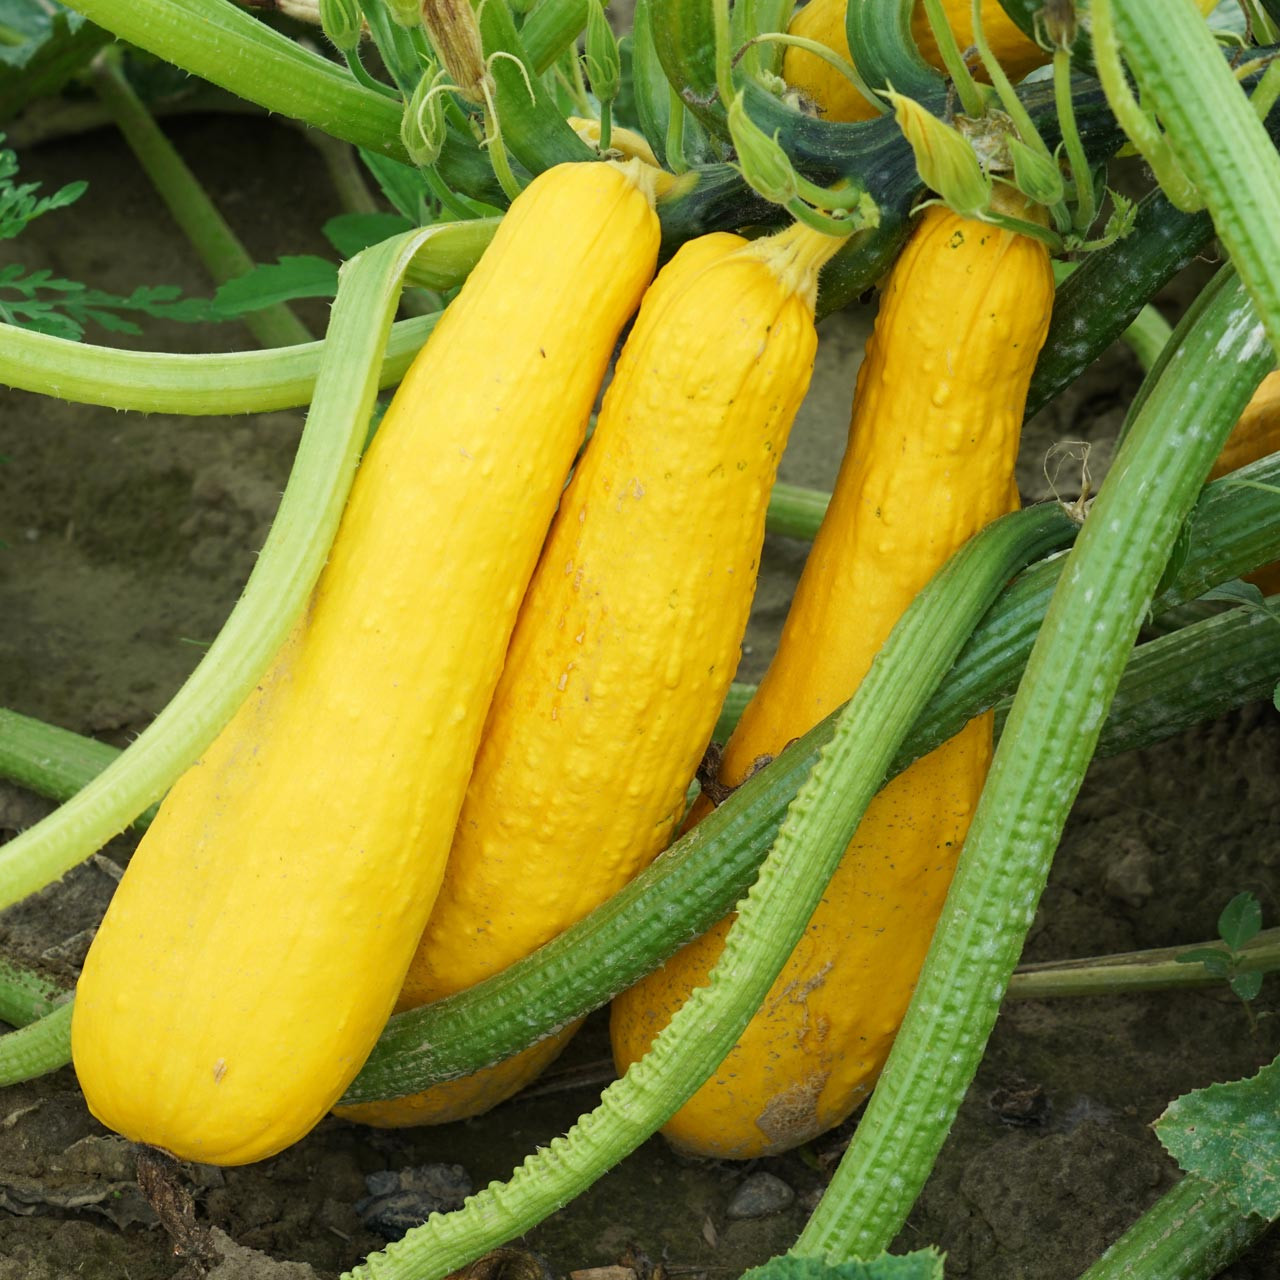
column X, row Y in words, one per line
column 930, row 460
column 254, row 949
column 1254, row 436
column 835, row 96
column 630, row 633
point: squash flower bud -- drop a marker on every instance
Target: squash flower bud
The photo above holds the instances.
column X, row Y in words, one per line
column 604, row 63
column 945, row 161
column 764, row 163
column 1035, row 174
column 342, row 22
column 422, row 127
column 455, row 36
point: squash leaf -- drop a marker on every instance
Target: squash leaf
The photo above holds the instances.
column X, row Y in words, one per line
column 294, row 276
column 1227, row 1134
column 923, row 1265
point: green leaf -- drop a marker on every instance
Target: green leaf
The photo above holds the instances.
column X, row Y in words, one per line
column 296, row 276
column 1237, row 592
column 923, row 1265
column 1227, row 1134
column 402, row 184
column 1240, row 920
column 1275, row 698
column 351, row 232
column 19, row 204
column 1216, row 962
column 1247, row 985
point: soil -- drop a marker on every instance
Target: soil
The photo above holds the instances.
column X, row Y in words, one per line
column 125, row 541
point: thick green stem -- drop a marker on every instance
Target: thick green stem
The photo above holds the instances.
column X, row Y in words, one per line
column 36, row 1049
column 290, row 562
column 1105, row 589
column 1214, row 134
column 229, row 47
column 769, row 921
column 1191, row 1233
column 217, row 245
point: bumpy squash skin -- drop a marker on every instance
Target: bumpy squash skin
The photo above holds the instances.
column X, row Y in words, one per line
column 1254, row 436
column 823, row 21
column 630, row 633
column 932, row 446
column 255, row 946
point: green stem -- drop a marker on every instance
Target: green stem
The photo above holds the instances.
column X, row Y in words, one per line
column 1215, row 135
column 346, row 173
column 970, row 95
column 1081, row 173
column 1106, row 587
column 36, row 1049
column 1191, row 1233
column 1154, row 970
column 769, row 921
column 1235, row 657
column 229, row 47
column 239, row 382
column 192, row 385
column 1146, row 336
column 795, row 512
column 1008, row 96
column 217, row 245
column 1140, row 128
column 275, row 594
column 394, row 44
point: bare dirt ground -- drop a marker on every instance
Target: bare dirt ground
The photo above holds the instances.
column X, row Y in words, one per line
column 125, row 541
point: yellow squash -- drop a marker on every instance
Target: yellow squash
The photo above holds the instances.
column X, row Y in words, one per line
column 835, row 96
column 930, row 460
column 1254, row 436
column 629, row 636
column 255, row 946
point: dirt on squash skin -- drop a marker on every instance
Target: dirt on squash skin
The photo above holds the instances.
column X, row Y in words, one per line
column 126, row 539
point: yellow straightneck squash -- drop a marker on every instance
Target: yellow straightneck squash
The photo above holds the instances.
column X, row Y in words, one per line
column 254, row 949
column 930, row 460
column 823, row 21
column 629, row 636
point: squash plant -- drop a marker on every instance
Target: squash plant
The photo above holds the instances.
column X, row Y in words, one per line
column 479, row 103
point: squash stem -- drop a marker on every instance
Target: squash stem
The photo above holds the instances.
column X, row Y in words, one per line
column 1235, row 657
column 1189, row 85
column 1102, row 596
column 769, row 921
column 36, row 1049
column 231, row 48
column 971, row 97
column 212, row 237
column 1192, row 1232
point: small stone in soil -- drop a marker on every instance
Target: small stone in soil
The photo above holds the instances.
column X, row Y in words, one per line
column 400, row 1199
column 760, row 1196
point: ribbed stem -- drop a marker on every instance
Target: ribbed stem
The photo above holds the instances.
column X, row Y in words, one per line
column 1191, row 1233
column 769, row 921
column 1214, row 134
column 36, row 1049
column 225, row 45
column 1106, row 586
